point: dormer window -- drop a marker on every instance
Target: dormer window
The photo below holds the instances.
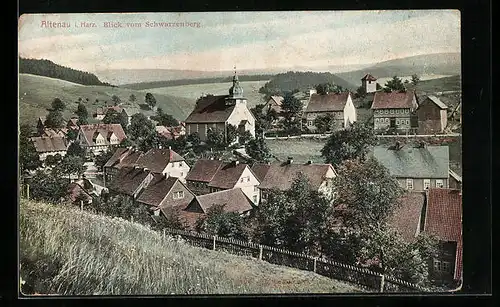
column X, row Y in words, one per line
column 178, row 195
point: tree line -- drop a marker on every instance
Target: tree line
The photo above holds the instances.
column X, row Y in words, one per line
column 50, row 69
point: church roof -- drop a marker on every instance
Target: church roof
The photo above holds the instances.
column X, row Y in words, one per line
column 211, row 109
column 368, row 77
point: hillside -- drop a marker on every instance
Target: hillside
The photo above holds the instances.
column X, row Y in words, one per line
column 69, row 252
column 428, row 64
column 36, row 94
column 50, row 69
column 302, row 81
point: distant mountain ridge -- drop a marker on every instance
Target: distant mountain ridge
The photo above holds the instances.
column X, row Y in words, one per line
column 46, row 68
column 427, row 64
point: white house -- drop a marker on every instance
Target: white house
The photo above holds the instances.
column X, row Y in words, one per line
column 50, row 145
column 337, row 104
column 99, row 137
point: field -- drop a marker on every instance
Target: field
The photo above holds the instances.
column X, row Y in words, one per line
column 193, row 91
column 302, row 150
column 36, row 94
column 66, row 251
column 423, row 78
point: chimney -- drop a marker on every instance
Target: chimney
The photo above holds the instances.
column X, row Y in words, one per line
column 290, row 160
column 169, row 147
column 236, row 162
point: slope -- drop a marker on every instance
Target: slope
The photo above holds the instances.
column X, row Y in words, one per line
column 37, row 92
column 70, row 252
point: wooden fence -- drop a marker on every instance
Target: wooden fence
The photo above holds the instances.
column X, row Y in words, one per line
column 362, row 277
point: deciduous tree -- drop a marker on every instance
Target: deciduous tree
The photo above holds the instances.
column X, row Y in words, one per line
column 150, row 100
column 29, row 159
column 81, row 111
column 75, row 149
column 395, row 85
column 54, row 119
column 257, row 149
column 220, row 223
column 415, row 79
column 140, row 127
column 323, row 123
column 58, row 105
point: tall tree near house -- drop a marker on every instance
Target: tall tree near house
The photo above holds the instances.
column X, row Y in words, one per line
column 82, row 121
column 395, row 85
column 215, row 139
column 58, row 105
column 165, row 119
column 74, row 149
column 54, row 119
column 258, row 150
column 245, row 137
column 291, row 107
column 29, row 159
column 361, row 92
column 125, row 143
column 326, row 88
column 323, row 123
column 152, row 140
column 132, row 98
column 53, row 160
column 81, row 111
column 102, row 158
column 415, row 79
column 113, row 117
column 150, row 100
column 231, row 134
column 261, row 122
column 140, row 127
column 72, row 164
column 351, row 143
column 116, row 100
column 171, row 219
column 270, row 219
column 220, row 223
column 72, row 134
column 48, row 186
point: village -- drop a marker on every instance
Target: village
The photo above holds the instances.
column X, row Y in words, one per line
column 216, row 159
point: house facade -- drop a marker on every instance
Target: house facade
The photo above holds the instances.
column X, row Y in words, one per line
column 50, row 145
column 280, row 176
column 369, row 83
column 432, row 116
column 340, row 106
column 234, row 200
column 209, row 176
column 274, row 103
column 416, row 168
column 393, row 110
column 99, row 137
column 217, row 112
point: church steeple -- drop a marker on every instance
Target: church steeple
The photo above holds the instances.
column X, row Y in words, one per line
column 236, row 91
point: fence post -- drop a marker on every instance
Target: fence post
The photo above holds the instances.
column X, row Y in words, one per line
column 163, row 233
column 260, row 252
column 214, row 243
column 81, row 205
column 314, row 268
column 27, row 191
column 382, row 282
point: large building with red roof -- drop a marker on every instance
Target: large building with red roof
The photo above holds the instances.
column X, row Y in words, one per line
column 393, row 110
column 99, row 137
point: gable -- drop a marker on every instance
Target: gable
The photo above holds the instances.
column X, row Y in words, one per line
column 247, row 173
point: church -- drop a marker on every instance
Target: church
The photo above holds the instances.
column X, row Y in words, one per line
column 216, row 112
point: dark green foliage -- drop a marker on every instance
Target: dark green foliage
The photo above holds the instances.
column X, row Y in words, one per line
column 245, row 137
column 220, row 223
column 361, row 92
column 165, row 119
column 54, row 120
column 395, row 85
column 261, row 121
column 70, row 165
column 116, row 100
column 257, row 149
column 132, row 98
column 415, row 79
column 291, row 105
column 378, row 86
column 82, row 112
column 58, row 105
column 47, row 186
column 351, row 143
column 29, row 159
column 72, row 134
column 323, row 123
column 75, row 149
column 215, row 139
column 150, row 100
column 53, row 160
column 231, row 134
column 49, row 69
column 152, row 140
column 113, row 117
column 140, row 127
column 325, row 88
column 171, row 219
column 82, row 121
column 125, row 143
column 287, row 82
column 102, row 158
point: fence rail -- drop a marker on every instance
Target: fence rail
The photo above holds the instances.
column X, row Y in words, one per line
column 360, row 276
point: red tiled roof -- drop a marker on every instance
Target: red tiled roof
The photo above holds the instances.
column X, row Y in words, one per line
column 368, row 77
column 211, row 109
column 444, row 214
column 157, row 159
column 115, row 158
column 393, row 100
column 128, row 180
column 50, row 132
column 74, row 189
column 90, row 132
column 49, row 144
column 204, row 170
column 281, row 175
column 189, row 218
column 405, row 219
column 327, row 103
column 234, row 199
column 227, row 175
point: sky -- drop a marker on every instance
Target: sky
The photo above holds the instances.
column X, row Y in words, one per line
column 218, row 41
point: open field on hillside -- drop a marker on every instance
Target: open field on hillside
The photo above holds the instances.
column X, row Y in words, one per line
column 302, row 150
column 69, row 252
column 36, row 94
column 193, row 91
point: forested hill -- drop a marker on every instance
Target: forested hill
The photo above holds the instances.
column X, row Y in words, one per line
column 290, row 81
column 50, row 69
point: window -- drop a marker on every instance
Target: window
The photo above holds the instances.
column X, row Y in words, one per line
column 397, row 121
column 310, row 123
column 369, row 82
column 376, row 120
column 442, row 266
column 409, row 184
column 407, row 121
column 439, row 183
column 387, row 120
column 397, row 111
column 407, row 111
column 182, row 174
column 179, row 195
column 255, row 198
column 255, row 189
column 427, row 184
column 386, row 111
column 392, row 111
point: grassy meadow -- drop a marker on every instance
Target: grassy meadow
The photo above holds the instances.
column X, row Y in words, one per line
column 302, row 150
column 192, row 92
column 66, row 251
column 36, row 94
